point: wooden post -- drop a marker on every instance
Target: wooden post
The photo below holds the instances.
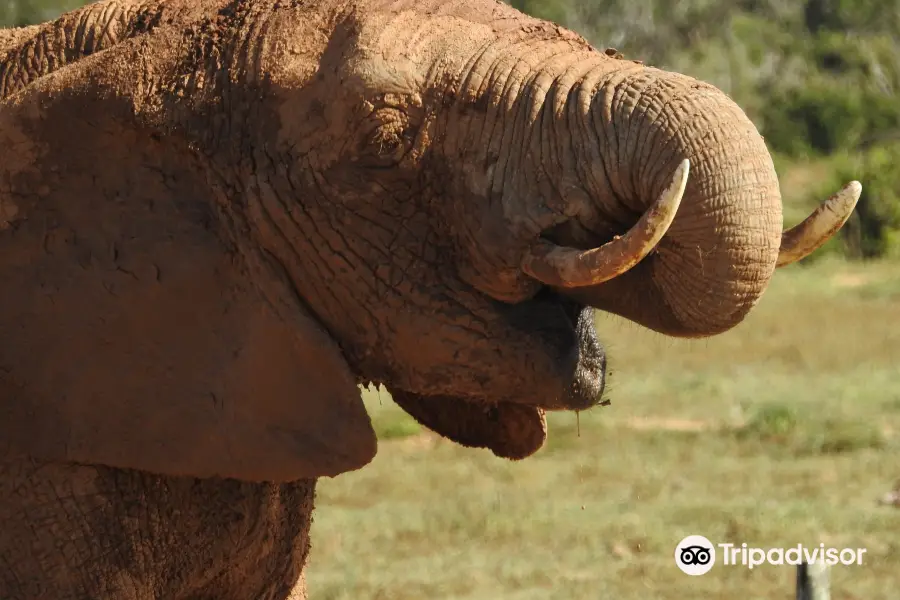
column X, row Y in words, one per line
column 812, row 581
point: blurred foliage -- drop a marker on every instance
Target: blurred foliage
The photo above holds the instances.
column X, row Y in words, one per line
column 875, row 231
column 818, row 77
column 17, row 13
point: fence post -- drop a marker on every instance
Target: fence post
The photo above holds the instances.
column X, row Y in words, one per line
column 812, row 581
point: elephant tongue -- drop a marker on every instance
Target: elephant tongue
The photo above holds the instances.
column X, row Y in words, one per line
column 512, row 431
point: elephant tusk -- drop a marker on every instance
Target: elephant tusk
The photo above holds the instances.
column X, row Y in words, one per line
column 569, row 267
column 800, row 241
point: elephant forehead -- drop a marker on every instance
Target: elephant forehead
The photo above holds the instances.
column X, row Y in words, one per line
column 400, row 52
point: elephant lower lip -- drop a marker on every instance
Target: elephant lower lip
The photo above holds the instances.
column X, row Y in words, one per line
column 509, row 430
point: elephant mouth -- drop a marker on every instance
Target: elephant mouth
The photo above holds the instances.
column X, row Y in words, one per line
column 573, row 310
column 568, row 326
column 516, row 430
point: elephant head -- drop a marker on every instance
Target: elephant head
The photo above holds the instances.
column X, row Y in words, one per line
column 303, row 197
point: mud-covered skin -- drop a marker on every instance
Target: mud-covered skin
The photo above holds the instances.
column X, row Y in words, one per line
column 119, row 247
column 275, row 143
column 217, row 217
column 86, row 532
column 509, row 430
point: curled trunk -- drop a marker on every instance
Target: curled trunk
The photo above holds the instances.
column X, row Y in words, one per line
column 720, row 252
column 584, row 150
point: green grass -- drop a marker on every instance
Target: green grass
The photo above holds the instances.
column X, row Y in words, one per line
column 782, row 431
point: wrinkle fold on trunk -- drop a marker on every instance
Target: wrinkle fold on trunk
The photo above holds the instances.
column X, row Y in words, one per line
column 635, row 125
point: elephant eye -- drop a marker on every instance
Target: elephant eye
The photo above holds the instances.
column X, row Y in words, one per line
column 388, row 134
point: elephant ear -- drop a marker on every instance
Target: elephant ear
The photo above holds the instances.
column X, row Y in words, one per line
column 139, row 326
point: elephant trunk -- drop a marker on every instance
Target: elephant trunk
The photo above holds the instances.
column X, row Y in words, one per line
column 719, row 254
column 692, row 268
column 572, row 147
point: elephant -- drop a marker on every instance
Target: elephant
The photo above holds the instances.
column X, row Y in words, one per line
column 219, row 218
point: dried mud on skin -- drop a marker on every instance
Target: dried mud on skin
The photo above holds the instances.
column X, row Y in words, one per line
column 512, row 431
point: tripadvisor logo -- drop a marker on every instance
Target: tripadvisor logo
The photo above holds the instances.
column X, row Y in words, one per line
column 696, row 555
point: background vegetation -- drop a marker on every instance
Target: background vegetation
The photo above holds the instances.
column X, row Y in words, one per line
column 17, row 13
column 782, row 431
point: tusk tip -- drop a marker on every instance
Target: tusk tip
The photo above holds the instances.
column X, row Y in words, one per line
column 853, row 190
column 671, row 198
column 843, row 202
column 802, row 240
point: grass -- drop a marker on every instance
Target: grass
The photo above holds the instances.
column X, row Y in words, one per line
column 782, row 431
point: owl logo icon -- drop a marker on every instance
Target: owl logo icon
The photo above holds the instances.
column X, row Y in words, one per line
column 695, row 555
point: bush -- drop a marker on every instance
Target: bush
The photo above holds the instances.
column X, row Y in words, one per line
column 875, row 228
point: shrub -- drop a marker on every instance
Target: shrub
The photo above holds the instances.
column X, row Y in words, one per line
column 874, row 230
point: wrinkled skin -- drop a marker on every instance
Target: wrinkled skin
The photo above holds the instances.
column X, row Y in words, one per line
column 216, row 219
column 75, row 531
